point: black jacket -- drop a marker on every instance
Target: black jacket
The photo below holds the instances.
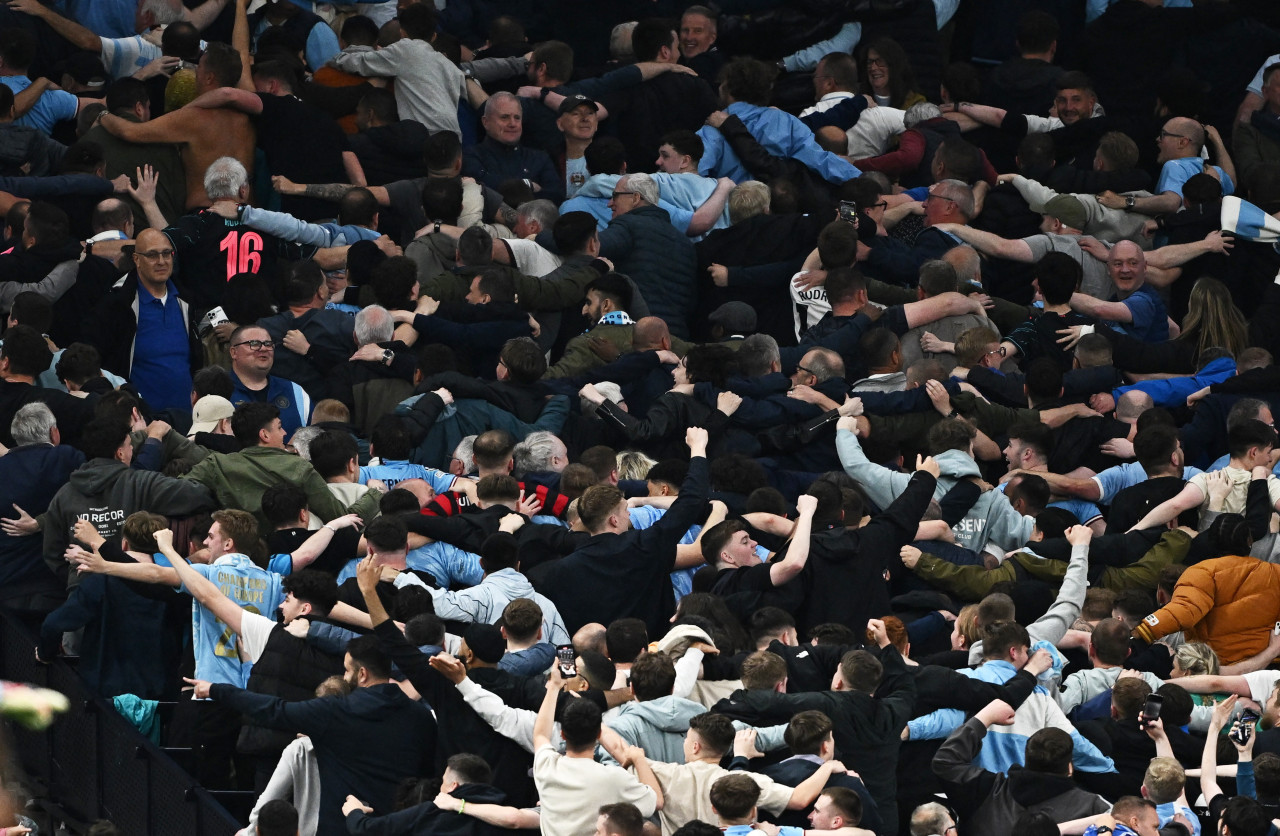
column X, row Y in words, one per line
column 615, row 576
column 990, row 802
column 115, row 325
column 844, row 577
column 365, row 743
column 391, row 152
column 793, row 771
column 427, row 818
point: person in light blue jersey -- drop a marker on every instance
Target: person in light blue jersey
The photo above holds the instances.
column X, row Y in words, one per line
column 389, row 441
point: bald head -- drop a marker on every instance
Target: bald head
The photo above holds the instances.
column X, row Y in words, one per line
column 1132, row 404
column 151, row 239
column 650, row 334
column 833, row 139
column 1127, row 266
column 113, row 214
column 1189, row 128
column 967, row 264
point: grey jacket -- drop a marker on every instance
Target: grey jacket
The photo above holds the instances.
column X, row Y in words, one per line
column 484, row 603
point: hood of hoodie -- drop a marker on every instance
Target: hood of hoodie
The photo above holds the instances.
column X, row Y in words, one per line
column 480, row 794
column 1029, row 788
column 97, row 476
column 402, row 139
column 667, row 714
column 511, row 583
column 375, row 700
column 599, row 185
column 956, row 464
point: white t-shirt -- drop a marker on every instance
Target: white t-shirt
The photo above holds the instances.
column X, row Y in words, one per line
column 870, row 136
column 1261, row 684
column 686, row 792
column 254, row 631
column 1239, row 494
column 572, row 791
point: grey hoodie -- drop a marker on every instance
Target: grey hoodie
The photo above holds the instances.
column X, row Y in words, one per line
column 484, row 603
column 991, row 524
column 106, row 492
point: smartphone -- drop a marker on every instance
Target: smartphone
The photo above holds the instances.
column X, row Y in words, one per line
column 1244, row 729
column 849, row 211
column 566, row 657
column 1151, row 711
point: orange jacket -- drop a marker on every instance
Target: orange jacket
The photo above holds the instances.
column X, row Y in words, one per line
column 1231, row 603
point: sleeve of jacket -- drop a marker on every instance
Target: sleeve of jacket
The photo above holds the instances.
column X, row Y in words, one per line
column 659, row 423
column 892, row 261
column 896, row 696
column 421, row 416
column 76, row 612
column 310, row 717
column 688, row 505
column 881, row 484
column 753, row 156
column 935, row 725
column 769, row 275
column 1053, row 625
column 415, row 819
column 968, row 583
column 896, row 526
column 176, row 497
column 1135, row 355
column 843, row 115
column 1144, row 572
column 321, row 500
column 416, row 666
column 911, row 147
column 953, row 763
column 558, row 293
column 578, row 358
column 1192, row 599
column 997, row 386
column 451, row 530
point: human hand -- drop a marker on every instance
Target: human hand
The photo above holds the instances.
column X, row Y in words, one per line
column 1111, row 200
column 744, row 744
column 930, row 343
column 1121, row 448
column 426, row 306
column 810, row 279
column 1197, row 396
column 529, row 91
column 851, row 408
column 295, row 341
column 535, row 330
column 606, row 350
column 528, row 504
column 996, row 713
column 163, row 538
column 1218, row 484
column 591, row 394
column 1219, row 241
column 165, row 65
column 1079, row 535
column 30, row 7
column 450, row 667
column 667, row 358
column 848, row 423
column 199, row 688
column 368, row 575
column 767, row 828
column 298, row 628
column 443, row 394
column 910, row 556
column 928, row 464
column 877, row 631
column 371, row 353
column 1149, row 229
column 1222, row 713
column 1039, row 662
column 352, row 804
column 285, row 186
column 696, row 440
column 389, row 247
column 145, row 191
column 510, row 523
column 719, row 275
column 381, row 486
column 1102, row 402
column 728, row 402
column 448, row 803
column 87, row 534
column 940, row 397
column 806, row 505
column 1245, row 748
column 716, row 118
column 345, row 521
column 1095, row 248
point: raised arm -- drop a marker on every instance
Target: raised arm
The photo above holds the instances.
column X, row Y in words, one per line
column 201, row 588
column 1209, row 758
column 545, row 721
column 798, row 552
column 315, row 545
column 81, row 37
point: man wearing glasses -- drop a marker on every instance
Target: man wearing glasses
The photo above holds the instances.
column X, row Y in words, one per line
column 143, row 329
column 253, row 355
column 1180, row 143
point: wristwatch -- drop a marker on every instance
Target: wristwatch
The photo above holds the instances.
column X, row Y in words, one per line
column 1129, row 201
column 387, row 356
column 437, row 226
column 542, row 96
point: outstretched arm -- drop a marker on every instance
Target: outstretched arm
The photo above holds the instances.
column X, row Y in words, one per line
column 81, row 37
column 201, row 588
column 991, row 244
column 798, row 551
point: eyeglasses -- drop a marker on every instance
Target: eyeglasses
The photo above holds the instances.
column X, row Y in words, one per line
column 257, row 345
column 877, row 62
column 1002, row 351
column 931, row 196
column 156, row 255
column 884, row 204
column 1164, row 134
column 806, row 371
column 616, row 195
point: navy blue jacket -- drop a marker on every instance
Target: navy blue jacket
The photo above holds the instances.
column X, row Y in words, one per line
column 29, row 477
column 493, row 163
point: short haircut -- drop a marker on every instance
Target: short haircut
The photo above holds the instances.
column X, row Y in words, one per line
column 124, row 94
column 493, row 448
column 757, row 354
column 387, row 534
column 1036, row 436
column 735, row 795
column 102, row 437
column 418, row 21
column 314, row 587
column 1094, row 350
column 684, row 142
column 33, row 423
column 360, row 30
column 1128, row 696
column 475, row 247
column 283, row 502
column 240, row 527
column 749, row 80
column 623, row 819
column 1001, row 637
column 277, row 818
column 1037, row 31
column 877, row 347
column 971, row 345
column 525, row 361
column 807, row 731
column 1240, row 439
column 605, row 155
column 650, row 36
column 1266, row 774
column 1110, row 641
column 762, row 670
column 613, row 286
column 951, row 434
column 716, row 731
column 1119, row 150
column 1049, row 750
column 596, row 504
column 625, row 640
column 1058, row 276
column 1044, row 379
column 47, row 224
column 770, row 621
column 424, row 629
column 597, row 669
column 303, row 280
column 937, row 276
column 224, row 178
column 837, row 245
column 574, row 230
column 358, row 207
column 841, row 69
column 470, row 769
column 212, row 380
column 442, row 199
column 441, row 151
column 580, row 724
column 140, row 529
column 746, row 200
column 331, row 452
column 1129, row 806
column 366, row 652
column 1154, row 447
column 1075, row 80
column 557, row 55
column 714, row 539
column 249, row 419
column 847, row 802
column 522, row 618
column 861, row 671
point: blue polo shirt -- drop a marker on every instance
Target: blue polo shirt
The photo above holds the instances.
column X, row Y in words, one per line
column 161, row 351
column 1150, row 319
column 1175, row 173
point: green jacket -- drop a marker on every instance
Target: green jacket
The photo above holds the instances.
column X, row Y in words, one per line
column 578, row 356
column 176, row 446
column 238, row 480
column 973, row 583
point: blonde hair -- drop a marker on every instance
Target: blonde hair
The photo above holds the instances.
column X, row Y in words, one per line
column 1213, row 318
column 1165, row 780
column 746, row 200
column 1196, row 659
column 632, row 464
column 967, row 625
